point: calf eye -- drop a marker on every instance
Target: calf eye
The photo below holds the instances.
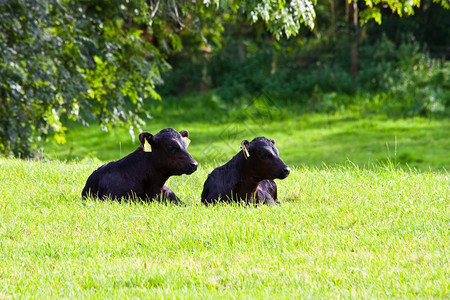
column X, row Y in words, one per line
column 171, row 149
column 266, row 155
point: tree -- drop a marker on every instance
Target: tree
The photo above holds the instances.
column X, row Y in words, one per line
column 372, row 10
column 101, row 60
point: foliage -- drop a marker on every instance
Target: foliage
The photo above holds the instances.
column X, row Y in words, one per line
column 404, row 72
column 419, row 84
column 281, row 17
column 73, row 59
column 399, row 60
column 401, row 8
column 88, row 60
column 340, row 232
column 101, row 60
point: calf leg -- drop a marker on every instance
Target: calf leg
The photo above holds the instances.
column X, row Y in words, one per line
column 168, row 195
column 267, row 193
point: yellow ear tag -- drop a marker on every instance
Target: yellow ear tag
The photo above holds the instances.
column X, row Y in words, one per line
column 147, row 146
column 188, row 141
column 246, row 154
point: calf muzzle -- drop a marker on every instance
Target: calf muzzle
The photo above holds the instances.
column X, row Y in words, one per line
column 284, row 173
column 190, row 167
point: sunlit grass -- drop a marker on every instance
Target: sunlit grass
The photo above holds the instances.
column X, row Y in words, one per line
column 343, row 231
column 362, row 214
column 303, row 139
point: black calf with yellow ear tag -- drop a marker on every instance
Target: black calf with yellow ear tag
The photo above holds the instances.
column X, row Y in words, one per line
column 187, row 140
column 244, row 149
column 147, row 146
column 146, row 138
column 185, row 135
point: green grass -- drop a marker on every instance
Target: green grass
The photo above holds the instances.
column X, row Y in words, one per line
column 303, row 139
column 365, row 212
column 341, row 232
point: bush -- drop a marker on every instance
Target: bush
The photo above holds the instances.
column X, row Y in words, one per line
column 394, row 79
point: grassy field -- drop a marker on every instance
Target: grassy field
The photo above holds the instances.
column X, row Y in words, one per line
column 303, row 139
column 340, row 232
column 365, row 213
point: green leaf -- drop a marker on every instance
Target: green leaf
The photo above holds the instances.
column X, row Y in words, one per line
column 368, row 14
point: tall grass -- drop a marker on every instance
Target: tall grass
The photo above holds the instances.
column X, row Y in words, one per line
column 342, row 231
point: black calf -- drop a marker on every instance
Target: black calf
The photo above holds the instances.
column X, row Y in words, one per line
column 143, row 172
column 248, row 176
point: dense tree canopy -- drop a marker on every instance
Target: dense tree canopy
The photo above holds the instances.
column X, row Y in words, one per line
column 100, row 60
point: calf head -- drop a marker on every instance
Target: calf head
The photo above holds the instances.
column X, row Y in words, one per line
column 263, row 160
column 168, row 151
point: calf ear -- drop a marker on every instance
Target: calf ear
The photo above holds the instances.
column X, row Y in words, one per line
column 272, row 141
column 184, row 133
column 145, row 136
column 244, row 146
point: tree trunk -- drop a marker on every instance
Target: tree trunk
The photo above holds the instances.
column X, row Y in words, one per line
column 354, row 41
column 333, row 16
column 241, row 53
